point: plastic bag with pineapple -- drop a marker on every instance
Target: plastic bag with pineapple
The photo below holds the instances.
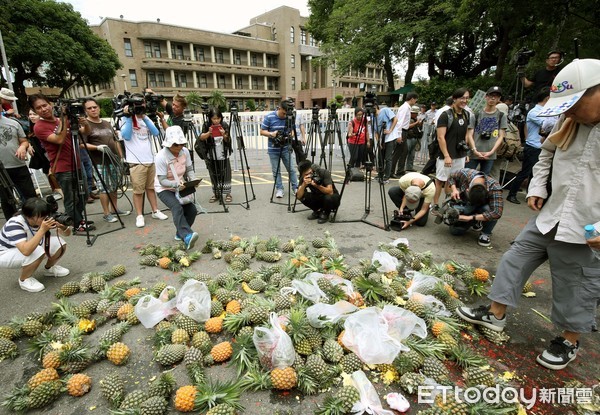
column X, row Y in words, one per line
column 421, row 285
column 321, row 314
column 307, row 288
column 151, row 310
column 194, row 300
column 369, row 400
column 274, row 346
column 387, row 263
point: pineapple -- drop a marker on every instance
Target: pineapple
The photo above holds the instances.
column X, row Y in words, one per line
column 410, row 382
column 214, row 325
column 284, row 379
column 316, row 366
column 465, row 357
column 113, row 389
column 354, row 272
column 123, row 311
column 98, row 283
column 481, row 274
column 233, row 307
column 496, row 337
column 435, row 369
column 332, row 351
column 149, row 260
column 68, row 289
column 268, row 256
column 170, row 354
column 134, row 399
column 257, row 284
column 158, row 288
column 201, row 341
column 413, row 304
column 163, row 386
column 187, row 323
column 32, row 328
column 180, row 336
column 42, row 376
column 155, row 405
column 8, row 349
column 216, row 308
column 130, row 292
column 221, row 352
column 347, row 397
column 350, row 363
column 44, row 394
column 74, row 358
column 115, row 333
column 118, row 353
column 51, row 360
column 448, row 340
column 164, row 262
column 407, row 362
column 193, row 356
column 258, row 314
column 7, row 332
column 478, row 375
column 79, row 384
column 185, row 398
column 528, row 287
column 85, row 283
column 222, row 409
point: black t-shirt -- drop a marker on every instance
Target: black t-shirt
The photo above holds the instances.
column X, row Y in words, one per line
column 455, row 133
column 324, row 179
column 543, row 78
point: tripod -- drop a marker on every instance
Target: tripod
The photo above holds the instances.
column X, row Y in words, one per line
column 333, row 128
column 377, row 163
column 7, row 189
column 287, row 139
column 235, row 130
column 314, row 134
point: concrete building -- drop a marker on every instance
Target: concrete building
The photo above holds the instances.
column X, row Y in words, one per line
column 272, row 57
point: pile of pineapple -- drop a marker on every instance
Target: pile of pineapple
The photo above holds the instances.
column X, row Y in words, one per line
column 242, row 298
column 168, row 257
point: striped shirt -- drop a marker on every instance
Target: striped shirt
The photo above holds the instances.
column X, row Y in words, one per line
column 14, row 231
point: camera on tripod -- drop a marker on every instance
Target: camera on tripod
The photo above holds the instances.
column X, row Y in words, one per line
column 523, row 56
column 233, row 106
column 315, row 113
column 281, row 139
column 153, row 102
column 60, row 217
column 450, row 211
column 188, row 116
column 370, row 100
column 135, row 104
column 72, row 108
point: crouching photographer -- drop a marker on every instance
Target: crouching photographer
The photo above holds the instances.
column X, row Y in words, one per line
column 317, row 191
column 412, row 197
column 476, row 203
column 26, row 239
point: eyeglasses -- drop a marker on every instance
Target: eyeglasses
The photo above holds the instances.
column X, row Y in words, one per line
column 463, row 98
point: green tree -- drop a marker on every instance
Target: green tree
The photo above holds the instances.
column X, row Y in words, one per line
column 217, row 100
column 251, row 104
column 194, row 100
column 49, row 43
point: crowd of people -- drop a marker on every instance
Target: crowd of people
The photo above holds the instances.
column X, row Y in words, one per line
column 457, row 185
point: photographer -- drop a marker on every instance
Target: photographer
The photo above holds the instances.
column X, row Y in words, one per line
column 415, row 193
column 386, row 116
column 55, row 135
column 175, row 111
column 106, row 154
column 489, row 132
column 136, row 131
column 215, row 133
column 13, row 159
column 543, row 77
column 25, row 240
column 274, row 126
column 317, row 191
column 479, row 205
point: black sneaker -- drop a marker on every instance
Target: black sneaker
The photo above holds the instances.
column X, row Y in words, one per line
column 314, row 215
column 481, row 316
column 323, row 217
column 484, row 240
column 513, row 199
column 477, row 226
column 560, row 353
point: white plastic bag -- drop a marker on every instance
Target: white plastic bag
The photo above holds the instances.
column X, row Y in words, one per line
column 402, row 323
column 366, row 334
column 397, row 401
column 422, row 283
column 387, row 263
column 150, row 310
column 369, row 400
column 320, row 314
column 274, row 346
column 307, row 288
column 193, row 300
column 403, row 241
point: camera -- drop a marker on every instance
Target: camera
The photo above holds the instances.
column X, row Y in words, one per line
column 281, row 139
column 462, row 146
column 399, row 219
column 370, row 99
column 72, row 108
column 153, row 102
column 523, row 56
column 449, row 212
column 61, row 218
column 135, row 104
column 233, row 106
column 315, row 113
column 188, row 116
column 316, row 178
column 485, row 135
column 333, row 109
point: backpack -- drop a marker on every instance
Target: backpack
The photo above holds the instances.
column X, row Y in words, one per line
column 511, row 145
column 450, row 115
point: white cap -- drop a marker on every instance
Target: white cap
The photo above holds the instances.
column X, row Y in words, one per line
column 174, row 135
column 412, row 194
column 570, row 84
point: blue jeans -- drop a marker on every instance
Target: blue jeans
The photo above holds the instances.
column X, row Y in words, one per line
column 486, row 165
column 460, row 228
column 287, row 162
column 88, row 169
column 410, row 159
column 183, row 215
column 72, row 200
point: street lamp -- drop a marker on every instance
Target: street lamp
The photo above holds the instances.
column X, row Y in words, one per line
column 123, row 76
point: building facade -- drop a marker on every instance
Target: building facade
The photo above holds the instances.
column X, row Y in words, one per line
column 273, row 57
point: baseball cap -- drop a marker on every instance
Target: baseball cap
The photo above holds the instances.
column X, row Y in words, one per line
column 413, row 196
column 494, row 90
column 8, row 94
column 415, row 108
column 570, row 84
column 174, row 135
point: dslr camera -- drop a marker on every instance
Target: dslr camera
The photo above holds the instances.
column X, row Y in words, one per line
column 485, row 135
column 450, row 211
column 462, row 146
column 316, row 178
column 60, row 217
column 281, row 139
column 233, row 106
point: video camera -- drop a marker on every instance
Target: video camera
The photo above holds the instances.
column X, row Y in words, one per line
column 523, row 56
column 233, row 106
column 72, row 108
column 450, row 211
column 398, row 220
column 153, row 102
column 315, row 113
column 135, row 104
column 61, row 218
column 370, row 100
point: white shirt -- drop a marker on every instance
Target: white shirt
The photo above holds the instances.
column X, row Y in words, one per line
column 403, row 117
column 574, row 201
column 138, row 150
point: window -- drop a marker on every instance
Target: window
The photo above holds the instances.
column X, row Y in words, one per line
column 312, row 41
column 181, row 80
column 177, row 52
column 151, row 79
column 293, row 83
column 253, row 60
column 220, row 56
column 270, row 84
column 254, row 83
column 274, row 34
column 156, row 47
column 128, row 49
column 271, row 62
column 239, row 82
column 237, row 58
column 221, row 82
column 148, row 49
column 203, row 81
column 160, row 79
column 293, row 61
column 133, row 78
column 200, row 54
column 292, row 32
column 302, row 36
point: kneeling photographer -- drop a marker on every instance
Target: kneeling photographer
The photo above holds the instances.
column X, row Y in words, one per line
column 317, row 191
column 412, row 197
column 476, row 203
column 26, row 239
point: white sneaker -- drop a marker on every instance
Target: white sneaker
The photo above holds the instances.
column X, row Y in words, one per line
column 139, row 221
column 56, row 271
column 279, row 194
column 32, row 285
column 159, row 215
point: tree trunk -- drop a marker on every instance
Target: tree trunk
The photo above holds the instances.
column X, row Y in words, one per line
column 389, row 71
column 412, row 62
column 503, row 51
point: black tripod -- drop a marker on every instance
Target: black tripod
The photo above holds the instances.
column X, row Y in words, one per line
column 8, row 189
column 378, row 147
column 235, row 130
column 285, row 141
column 333, row 129
column 314, row 135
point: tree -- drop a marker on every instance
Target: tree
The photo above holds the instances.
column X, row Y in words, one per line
column 217, row 100
column 251, row 104
column 194, row 100
column 49, row 43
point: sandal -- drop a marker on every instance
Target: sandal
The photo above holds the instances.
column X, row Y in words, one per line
column 228, row 198
column 212, row 199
